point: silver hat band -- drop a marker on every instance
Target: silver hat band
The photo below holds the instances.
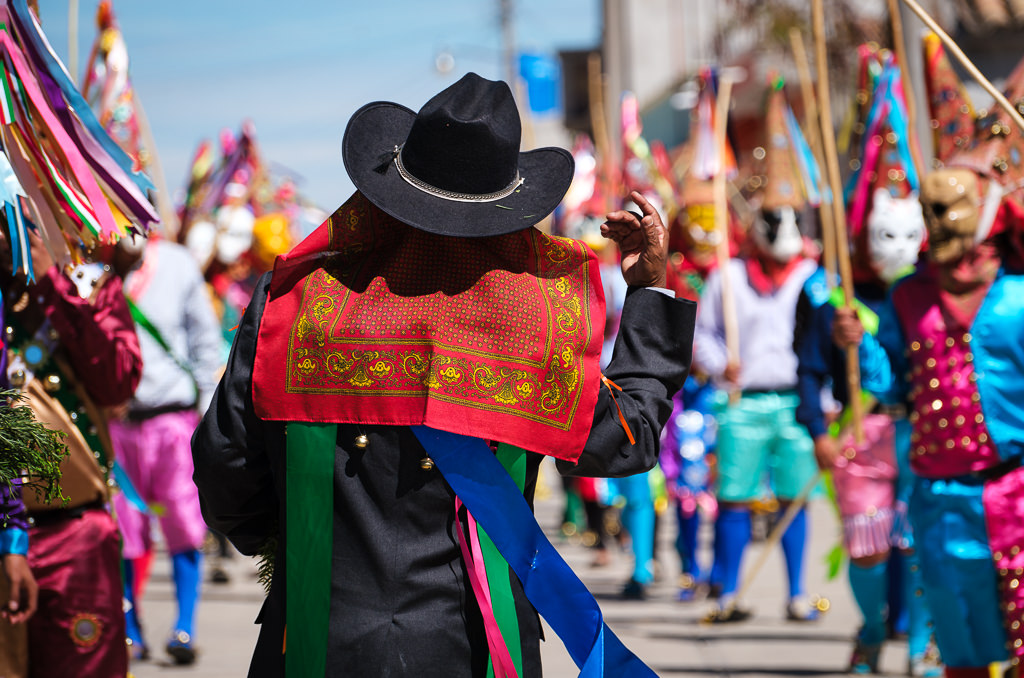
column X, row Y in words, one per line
column 451, row 195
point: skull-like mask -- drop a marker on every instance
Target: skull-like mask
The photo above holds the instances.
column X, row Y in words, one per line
column 949, row 200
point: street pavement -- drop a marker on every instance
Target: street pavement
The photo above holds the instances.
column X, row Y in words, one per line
column 669, row 636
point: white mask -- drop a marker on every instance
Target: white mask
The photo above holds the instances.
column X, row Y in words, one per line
column 895, row 231
column 777, row 234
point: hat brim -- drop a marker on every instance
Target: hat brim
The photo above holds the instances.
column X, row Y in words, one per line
column 367, row 147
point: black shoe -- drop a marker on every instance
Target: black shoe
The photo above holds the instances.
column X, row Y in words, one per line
column 137, row 651
column 634, row 590
column 180, row 648
column 219, row 575
column 729, row 614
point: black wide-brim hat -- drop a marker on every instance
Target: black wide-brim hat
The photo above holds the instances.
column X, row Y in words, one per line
column 455, row 167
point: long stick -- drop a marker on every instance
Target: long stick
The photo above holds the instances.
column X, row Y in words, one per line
column 73, row 38
column 900, row 48
column 731, row 325
column 828, row 139
column 776, row 534
column 828, row 226
column 955, row 50
column 599, row 126
column 168, row 217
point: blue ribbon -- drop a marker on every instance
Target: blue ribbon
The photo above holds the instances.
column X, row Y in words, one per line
column 13, row 540
column 887, row 105
column 479, row 480
column 131, row 495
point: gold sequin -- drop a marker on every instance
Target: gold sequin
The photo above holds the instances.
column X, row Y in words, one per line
column 933, row 384
column 968, row 357
column 930, row 363
column 929, row 344
column 975, row 397
column 950, row 444
column 965, row 441
column 936, row 405
column 1014, row 583
column 952, row 362
column 950, row 342
column 998, row 555
column 943, row 423
column 955, row 402
column 967, row 338
column 982, row 438
column 979, row 418
column 915, row 346
column 1014, row 550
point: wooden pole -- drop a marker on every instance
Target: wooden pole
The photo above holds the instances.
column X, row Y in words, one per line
column 599, row 125
column 899, row 46
column 813, row 127
column 730, row 322
column 955, row 50
column 73, row 39
column 828, row 139
column 162, row 199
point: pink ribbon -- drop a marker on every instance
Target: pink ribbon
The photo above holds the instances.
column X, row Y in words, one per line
column 503, row 665
column 79, row 169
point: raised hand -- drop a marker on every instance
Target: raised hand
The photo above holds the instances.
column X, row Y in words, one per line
column 847, row 329
column 643, row 243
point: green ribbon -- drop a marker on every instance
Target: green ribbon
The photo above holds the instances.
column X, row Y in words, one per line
column 309, row 503
column 143, row 321
column 868, row 318
column 498, row 573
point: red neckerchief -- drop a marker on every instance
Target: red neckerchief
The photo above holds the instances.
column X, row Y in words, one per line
column 963, row 285
column 767, row 275
column 362, row 325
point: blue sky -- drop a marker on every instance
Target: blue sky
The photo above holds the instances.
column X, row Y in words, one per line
column 298, row 70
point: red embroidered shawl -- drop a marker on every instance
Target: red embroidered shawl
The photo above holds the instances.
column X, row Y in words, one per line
column 371, row 321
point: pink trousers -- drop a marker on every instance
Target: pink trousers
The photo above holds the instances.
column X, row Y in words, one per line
column 156, row 454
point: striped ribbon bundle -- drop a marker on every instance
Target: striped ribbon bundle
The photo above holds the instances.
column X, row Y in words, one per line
column 60, row 172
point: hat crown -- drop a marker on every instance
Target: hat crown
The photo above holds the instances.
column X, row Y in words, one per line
column 466, row 138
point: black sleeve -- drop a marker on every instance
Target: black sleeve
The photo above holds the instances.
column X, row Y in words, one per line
column 804, row 310
column 230, row 448
column 650, row 363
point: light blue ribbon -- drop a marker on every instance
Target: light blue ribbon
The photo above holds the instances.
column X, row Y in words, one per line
column 808, row 166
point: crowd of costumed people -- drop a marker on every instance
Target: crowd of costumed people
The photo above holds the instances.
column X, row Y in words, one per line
column 765, row 422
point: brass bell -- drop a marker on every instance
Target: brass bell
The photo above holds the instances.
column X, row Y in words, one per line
column 51, row 384
column 426, row 463
column 821, row 603
column 18, row 378
column 362, row 441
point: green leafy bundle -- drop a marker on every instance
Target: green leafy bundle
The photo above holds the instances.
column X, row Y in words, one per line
column 29, row 451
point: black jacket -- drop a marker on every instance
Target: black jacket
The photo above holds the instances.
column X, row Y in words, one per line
column 400, row 604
